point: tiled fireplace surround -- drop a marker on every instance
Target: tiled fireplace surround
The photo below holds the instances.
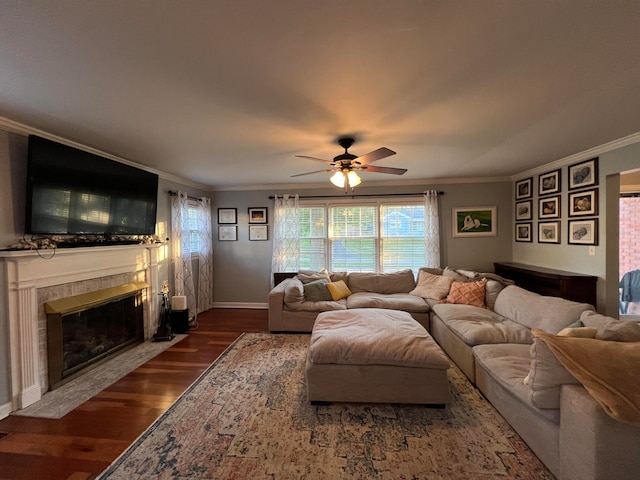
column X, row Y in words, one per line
column 33, row 278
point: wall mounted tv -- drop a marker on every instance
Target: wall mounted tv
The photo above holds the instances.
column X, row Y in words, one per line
column 73, row 192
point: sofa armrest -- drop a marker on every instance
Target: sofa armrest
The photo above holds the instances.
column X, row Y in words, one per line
column 276, row 305
column 594, row 446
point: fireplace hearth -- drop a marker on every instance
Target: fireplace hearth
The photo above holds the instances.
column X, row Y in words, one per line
column 85, row 330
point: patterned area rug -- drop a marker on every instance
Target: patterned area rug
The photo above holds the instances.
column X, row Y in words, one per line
column 57, row 403
column 247, row 417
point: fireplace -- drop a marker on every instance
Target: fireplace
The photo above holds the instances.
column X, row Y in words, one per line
column 85, row 330
column 32, row 279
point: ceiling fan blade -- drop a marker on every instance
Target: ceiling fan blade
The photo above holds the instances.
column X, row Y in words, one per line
column 376, row 155
column 316, row 159
column 391, row 170
column 309, row 173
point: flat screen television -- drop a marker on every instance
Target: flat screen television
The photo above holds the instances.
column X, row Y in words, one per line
column 73, row 192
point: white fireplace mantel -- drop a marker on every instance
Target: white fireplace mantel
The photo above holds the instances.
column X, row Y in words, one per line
column 26, row 271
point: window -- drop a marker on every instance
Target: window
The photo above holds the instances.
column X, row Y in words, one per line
column 194, row 233
column 373, row 237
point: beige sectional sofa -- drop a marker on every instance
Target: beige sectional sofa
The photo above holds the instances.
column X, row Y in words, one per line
column 499, row 350
column 291, row 311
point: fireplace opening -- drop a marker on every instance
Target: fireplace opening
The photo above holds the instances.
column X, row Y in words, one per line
column 85, row 330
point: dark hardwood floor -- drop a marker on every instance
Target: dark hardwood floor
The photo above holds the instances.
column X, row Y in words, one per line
column 84, row 442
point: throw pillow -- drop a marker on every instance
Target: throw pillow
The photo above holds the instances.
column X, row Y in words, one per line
column 457, row 277
column 338, row 290
column 432, row 286
column 307, row 276
column 467, row 293
column 317, row 291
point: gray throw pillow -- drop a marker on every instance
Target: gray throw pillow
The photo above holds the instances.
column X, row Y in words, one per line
column 317, row 291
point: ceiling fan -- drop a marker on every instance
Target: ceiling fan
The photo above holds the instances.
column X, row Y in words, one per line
column 346, row 164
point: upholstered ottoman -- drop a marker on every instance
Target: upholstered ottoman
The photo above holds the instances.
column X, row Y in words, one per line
column 374, row 355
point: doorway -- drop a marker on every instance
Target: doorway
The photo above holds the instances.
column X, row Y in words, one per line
column 629, row 245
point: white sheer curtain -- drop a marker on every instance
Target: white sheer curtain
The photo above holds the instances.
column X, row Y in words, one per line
column 205, row 251
column 431, row 229
column 286, row 235
column 181, row 249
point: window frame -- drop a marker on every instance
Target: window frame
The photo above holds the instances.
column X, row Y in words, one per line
column 378, row 203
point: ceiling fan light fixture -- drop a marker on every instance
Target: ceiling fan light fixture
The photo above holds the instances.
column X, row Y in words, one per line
column 338, row 179
column 353, row 178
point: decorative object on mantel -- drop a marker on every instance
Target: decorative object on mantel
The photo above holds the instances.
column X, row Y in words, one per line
column 346, row 164
column 69, row 241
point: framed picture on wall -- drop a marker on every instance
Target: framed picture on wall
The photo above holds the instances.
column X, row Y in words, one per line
column 523, row 210
column 549, row 232
column 258, row 232
column 227, row 215
column 583, row 232
column 228, row 234
column 524, row 188
column 549, row 207
column 475, row 222
column 258, row 215
column 523, row 232
column 583, row 174
column 549, row 183
column 583, row 204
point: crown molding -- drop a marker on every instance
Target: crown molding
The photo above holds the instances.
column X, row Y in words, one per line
column 17, row 128
column 367, row 183
column 577, row 157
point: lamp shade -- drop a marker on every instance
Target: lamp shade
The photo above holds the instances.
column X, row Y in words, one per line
column 353, row 178
column 338, row 179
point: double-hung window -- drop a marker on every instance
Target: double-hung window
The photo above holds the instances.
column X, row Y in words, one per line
column 369, row 237
column 194, row 231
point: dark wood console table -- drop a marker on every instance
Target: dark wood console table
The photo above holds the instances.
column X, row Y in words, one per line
column 547, row 281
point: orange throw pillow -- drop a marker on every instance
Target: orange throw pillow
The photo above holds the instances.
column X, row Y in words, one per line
column 467, row 293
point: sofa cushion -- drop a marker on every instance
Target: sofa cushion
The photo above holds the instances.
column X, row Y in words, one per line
column 317, row 291
column 546, row 376
column 397, row 282
column 476, row 325
column 611, row 328
column 532, row 310
column 432, row 286
column 307, row 276
column 338, row 290
column 394, row 301
column 507, row 364
column 455, row 275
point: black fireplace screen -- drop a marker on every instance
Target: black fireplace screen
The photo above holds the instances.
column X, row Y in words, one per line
column 80, row 339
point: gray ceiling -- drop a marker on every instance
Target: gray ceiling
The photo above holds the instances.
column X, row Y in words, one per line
column 226, row 92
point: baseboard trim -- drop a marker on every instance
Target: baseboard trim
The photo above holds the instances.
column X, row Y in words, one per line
column 255, row 306
column 5, row 410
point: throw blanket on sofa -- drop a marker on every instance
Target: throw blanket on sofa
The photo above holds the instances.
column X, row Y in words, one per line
column 608, row 370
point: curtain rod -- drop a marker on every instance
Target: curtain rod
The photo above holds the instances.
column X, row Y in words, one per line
column 189, row 197
column 362, row 195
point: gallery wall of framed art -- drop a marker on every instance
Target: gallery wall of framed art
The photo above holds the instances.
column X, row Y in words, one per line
column 572, row 205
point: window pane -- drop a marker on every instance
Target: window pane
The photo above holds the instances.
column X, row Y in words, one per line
column 194, row 237
column 402, row 235
column 313, row 238
column 353, row 255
